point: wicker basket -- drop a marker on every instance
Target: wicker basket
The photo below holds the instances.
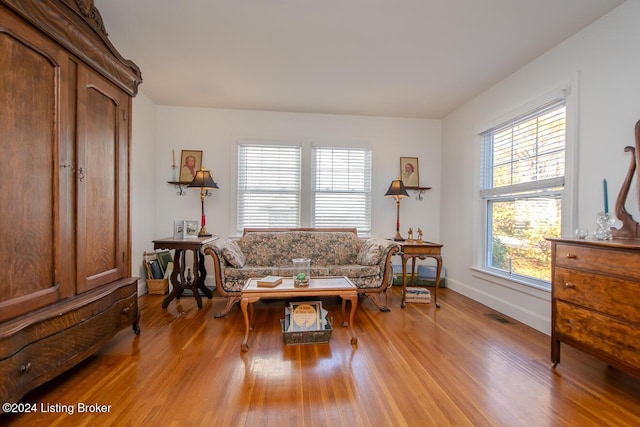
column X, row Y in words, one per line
column 306, row 337
column 157, row 286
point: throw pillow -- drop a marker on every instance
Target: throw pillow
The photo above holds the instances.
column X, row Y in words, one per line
column 371, row 251
column 231, row 252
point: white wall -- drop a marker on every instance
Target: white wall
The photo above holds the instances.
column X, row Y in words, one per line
column 143, row 183
column 217, row 132
column 160, row 129
column 604, row 67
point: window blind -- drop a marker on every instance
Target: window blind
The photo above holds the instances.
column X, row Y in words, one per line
column 341, row 186
column 268, row 185
column 526, row 153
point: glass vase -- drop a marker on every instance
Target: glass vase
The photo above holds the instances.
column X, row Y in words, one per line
column 604, row 222
column 301, row 271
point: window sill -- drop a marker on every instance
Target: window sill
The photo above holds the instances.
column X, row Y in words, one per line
column 511, row 283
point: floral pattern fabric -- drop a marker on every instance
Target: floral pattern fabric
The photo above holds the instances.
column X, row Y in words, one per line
column 231, row 252
column 331, row 253
column 372, row 251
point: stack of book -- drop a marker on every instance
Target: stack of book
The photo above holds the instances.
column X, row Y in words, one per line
column 305, row 316
column 419, row 295
column 269, row 281
column 306, row 322
column 158, row 265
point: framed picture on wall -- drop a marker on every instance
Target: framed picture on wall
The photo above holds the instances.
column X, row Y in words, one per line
column 190, row 163
column 409, row 172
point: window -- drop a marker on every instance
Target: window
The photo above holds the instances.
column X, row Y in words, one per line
column 522, row 183
column 341, row 186
column 270, row 182
column 268, row 185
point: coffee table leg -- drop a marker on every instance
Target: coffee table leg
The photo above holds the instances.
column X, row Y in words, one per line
column 344, row 319
column 354, row 305
column 244, row 302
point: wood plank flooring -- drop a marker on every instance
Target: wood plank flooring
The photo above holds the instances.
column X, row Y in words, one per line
column 416, row 366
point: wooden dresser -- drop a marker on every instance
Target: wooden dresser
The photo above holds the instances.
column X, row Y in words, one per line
column 65, row 252
column 596, row 300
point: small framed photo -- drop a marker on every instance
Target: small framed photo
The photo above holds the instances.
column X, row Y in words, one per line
column 190, row 229
column 190, row 163
column 178, row 229
column 409, row 172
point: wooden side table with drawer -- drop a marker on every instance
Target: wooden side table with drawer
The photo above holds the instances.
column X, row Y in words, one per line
column 595, row 303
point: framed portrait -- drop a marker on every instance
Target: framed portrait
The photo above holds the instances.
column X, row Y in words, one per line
column 190, row 163
column 409, row 172
column 190, row 229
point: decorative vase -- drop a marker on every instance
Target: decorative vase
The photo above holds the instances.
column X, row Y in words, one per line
column 301, row 271
column 604, row 222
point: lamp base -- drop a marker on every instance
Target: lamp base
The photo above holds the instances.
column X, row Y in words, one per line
column 203, row 233
column 398, row 237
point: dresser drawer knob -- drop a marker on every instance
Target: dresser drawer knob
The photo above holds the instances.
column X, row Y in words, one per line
column 571, row 256
column 25, row 368
column 569, row 285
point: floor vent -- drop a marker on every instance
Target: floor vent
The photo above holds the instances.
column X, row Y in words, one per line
column 497, row 318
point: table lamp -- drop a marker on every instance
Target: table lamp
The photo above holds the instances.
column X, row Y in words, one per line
column 397, row 190
column 204, row 182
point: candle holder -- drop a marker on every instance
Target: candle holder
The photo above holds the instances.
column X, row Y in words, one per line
column 604, row 222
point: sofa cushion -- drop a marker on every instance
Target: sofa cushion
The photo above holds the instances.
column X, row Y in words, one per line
column 231, row 252
column 372, row 251
column 278, row 249
column 360, row 275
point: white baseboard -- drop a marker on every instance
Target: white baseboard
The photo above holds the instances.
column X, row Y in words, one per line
column 520, row 313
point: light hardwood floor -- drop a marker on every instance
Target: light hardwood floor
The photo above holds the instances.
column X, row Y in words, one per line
column 416, row 366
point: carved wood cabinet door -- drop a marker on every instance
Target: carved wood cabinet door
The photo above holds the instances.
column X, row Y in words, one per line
column 34, row 100
column 102, row 181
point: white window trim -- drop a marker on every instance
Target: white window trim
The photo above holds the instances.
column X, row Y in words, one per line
column 306, row 190
column 570, row 92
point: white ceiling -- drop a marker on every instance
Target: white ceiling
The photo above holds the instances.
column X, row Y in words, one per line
column 396, row 58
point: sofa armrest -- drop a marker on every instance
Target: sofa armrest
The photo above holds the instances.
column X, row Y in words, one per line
column 375, row 251
column 220, row 265
column 389, row 252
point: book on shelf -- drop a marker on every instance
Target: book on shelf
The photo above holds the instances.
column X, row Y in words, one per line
column 269, row 281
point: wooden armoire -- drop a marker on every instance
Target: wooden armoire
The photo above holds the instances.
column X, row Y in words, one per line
column 65, row 238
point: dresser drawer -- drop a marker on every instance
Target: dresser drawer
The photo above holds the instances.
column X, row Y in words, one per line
column 611, row 261
column 41, row 360
column 609, row 295
column 604, row 335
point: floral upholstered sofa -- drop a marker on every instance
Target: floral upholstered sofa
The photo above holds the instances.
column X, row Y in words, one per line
column 333, row 252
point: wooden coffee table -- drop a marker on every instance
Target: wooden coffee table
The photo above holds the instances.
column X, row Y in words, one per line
column 318, row 287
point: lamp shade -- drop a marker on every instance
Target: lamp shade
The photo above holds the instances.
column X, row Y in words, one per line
column 203, row 180
column 397, row 189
